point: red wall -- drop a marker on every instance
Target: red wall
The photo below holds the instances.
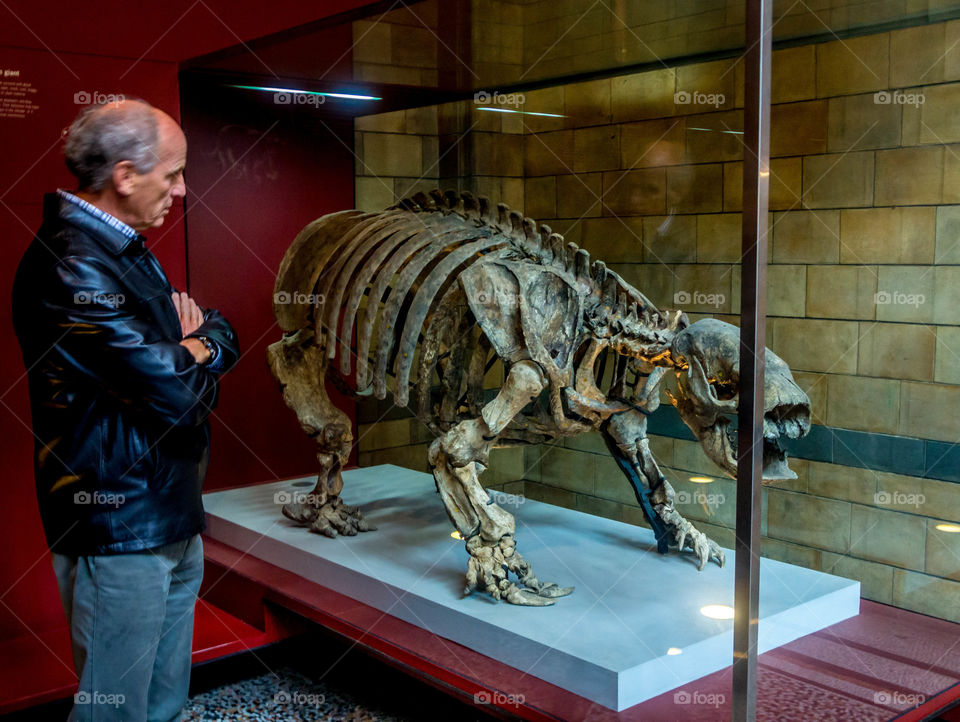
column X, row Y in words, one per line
column 63, row 49
column 254, row 180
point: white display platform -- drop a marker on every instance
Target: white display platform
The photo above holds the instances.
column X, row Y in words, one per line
column 608, row 641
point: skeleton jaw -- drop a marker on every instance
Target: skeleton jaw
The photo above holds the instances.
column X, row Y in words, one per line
column 720, row 442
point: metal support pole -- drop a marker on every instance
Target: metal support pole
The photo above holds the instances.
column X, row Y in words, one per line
column 753, row 322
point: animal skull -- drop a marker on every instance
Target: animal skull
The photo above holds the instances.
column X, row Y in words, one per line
column 708, row 394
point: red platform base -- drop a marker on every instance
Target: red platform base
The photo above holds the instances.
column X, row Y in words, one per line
column 871, row 667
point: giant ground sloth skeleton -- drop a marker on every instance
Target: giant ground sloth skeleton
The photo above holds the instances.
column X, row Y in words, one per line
column 424, row 298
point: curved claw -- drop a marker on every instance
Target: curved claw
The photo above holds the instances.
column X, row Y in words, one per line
column 523, row 597
column 687, row 535
column 706, row 549
column 682, row 539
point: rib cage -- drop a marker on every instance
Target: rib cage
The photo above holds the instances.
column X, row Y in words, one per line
column 406, row 261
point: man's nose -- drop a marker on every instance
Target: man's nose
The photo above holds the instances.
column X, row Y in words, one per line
column 179, row 188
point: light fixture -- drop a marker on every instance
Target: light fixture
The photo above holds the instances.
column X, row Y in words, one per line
column 700, row 479
column 673, row 651
column 717, row 611
column 456, row 535
column 346, row 96
column 521, row 112
column 953, row 528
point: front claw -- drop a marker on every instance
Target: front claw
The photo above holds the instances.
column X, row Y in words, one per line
column 703, row 546
column 686, row 535
column 706, row 549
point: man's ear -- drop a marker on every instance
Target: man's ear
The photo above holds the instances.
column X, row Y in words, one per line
column 124, row 177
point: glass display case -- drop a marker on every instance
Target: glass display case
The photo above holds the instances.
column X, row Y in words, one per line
column 620, row 125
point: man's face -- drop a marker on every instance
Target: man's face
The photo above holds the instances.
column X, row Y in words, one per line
column 153, row 192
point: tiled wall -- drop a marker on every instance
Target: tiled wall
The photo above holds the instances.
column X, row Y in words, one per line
column 864, row 283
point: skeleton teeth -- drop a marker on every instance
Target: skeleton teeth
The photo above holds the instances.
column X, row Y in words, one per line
column 732, row 438
column 771, row 429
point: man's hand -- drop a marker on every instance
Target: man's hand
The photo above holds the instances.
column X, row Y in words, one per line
column 189, row 312
column 195, row 346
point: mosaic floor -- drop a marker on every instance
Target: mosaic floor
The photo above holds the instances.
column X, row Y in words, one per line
column 282, row 695
column 315, row 677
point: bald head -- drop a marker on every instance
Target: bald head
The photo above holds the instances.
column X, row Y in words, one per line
column 128, row 158
column 103, row 135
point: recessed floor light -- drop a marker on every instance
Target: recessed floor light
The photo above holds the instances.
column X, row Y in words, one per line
column 717, row 611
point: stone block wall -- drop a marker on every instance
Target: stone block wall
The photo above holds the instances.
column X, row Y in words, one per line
column 645, row 172
column 400, row 46
column 563, row 37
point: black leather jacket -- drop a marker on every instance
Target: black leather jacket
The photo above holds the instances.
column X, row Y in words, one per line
column 119, row 406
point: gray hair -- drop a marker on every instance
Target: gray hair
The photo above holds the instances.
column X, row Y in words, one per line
column 104, row 135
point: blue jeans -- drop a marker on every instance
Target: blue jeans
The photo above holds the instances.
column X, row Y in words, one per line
column 131, row 626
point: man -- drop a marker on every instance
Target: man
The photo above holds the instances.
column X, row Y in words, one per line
column 123, row 373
